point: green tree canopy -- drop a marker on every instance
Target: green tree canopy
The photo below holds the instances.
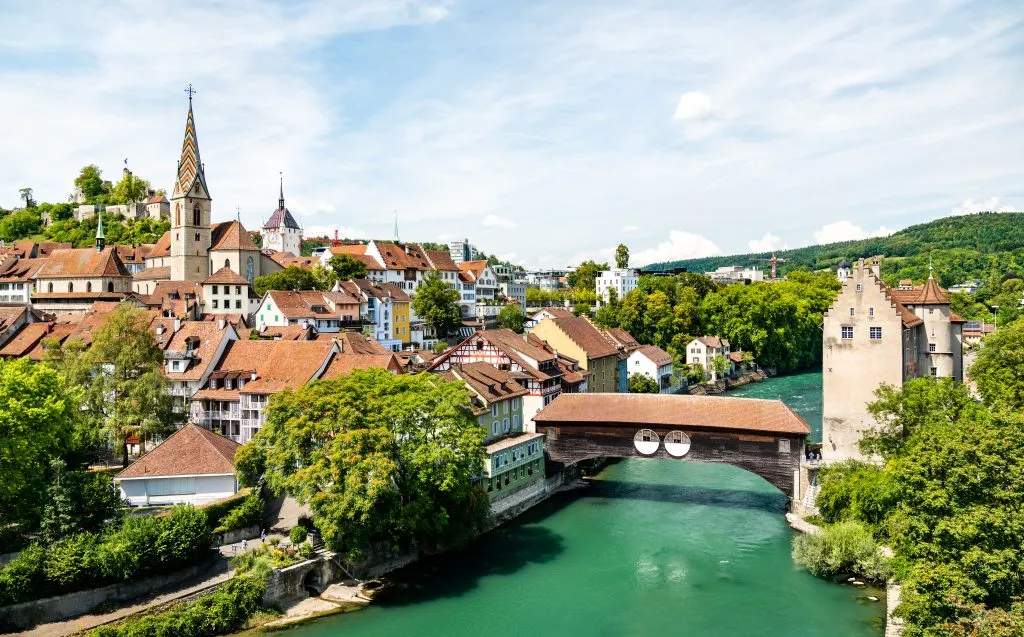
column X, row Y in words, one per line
column 127, row 366
column 291, row 278
column 379, row 458
column 622, row 256
column 90, row 180
column 511, row 317
column 999, row 368
column 130, row 189
column 584, row 277
column 20, row 224
column 642, row 384
column 437, row 304
column 38, row 412
column 346, row 267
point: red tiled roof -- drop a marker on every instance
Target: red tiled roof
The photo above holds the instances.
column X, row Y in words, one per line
column 665, row 410
column 226, row 276
column 231, row 235
column 162, row 248
column 473, row 269
column 189, row 451
column 621, row 337
column 83, row 262
column 713, row 341
column 205, row 336
column 441, row 260
column 555, row 312
column 928, row 294
column 163, row 273
column 281, row 217
column 344, row 364
column 580, row 331
column 657, row 355
column 488, row 382
column 278, row 364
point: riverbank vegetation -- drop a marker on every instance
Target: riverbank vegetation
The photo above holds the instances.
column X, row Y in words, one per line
column 946, row 495
column 137, row 547
column 779, row 323
column 841, row 549
column 357, row 451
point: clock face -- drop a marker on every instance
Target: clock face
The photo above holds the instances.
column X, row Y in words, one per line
column 249, row 270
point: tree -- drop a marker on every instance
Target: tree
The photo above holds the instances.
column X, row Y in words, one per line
column 642, row 384
column 90, row 180
column 585, row 276
column 999, row 369
column 130, row 189
column 324, row 278
column 20, row 224
column 608, row 314
column 25, row 194
column 346, row 267
column 128, row 370
column 291, row 278
column 719, row 364
column 622, row 256
column 511, row 317
column 37, row 418
column 378, row 458
column 437, row 304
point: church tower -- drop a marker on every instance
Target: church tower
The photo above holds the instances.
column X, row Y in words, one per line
column 190, row 210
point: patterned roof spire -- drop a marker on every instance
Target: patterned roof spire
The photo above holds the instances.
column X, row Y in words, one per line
column 190, row 166
column 280, row 200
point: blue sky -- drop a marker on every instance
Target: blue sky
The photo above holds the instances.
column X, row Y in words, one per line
column 545, row 132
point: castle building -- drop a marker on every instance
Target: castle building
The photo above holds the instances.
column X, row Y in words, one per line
column 873, row 334
column 281, row 233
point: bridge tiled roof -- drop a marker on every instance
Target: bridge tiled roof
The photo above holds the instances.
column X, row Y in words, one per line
column 666, row 410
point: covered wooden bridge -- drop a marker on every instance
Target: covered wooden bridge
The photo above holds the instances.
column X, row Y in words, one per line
column 765, row 437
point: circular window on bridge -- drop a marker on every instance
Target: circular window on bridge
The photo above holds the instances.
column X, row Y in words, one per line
column 646, row 441
column 677, row 444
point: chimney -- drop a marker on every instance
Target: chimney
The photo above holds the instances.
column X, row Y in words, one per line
column 160, row 329
column 221, row 323
column 177, row 324
column 341, row 346
column 252, row 376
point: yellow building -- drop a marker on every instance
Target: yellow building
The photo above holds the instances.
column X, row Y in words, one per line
column 577, row 338
column 401, row 312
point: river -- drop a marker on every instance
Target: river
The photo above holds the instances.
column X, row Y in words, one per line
column 654, row 547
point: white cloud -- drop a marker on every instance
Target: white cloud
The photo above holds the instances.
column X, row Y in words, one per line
column 693, row 105
column 846, row 231
column 630, row 228
column 767, row 243
column 991, row 205
column 494, row 221
column 680, row 245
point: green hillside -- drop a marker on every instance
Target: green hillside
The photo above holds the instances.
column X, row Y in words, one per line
column 964, row 247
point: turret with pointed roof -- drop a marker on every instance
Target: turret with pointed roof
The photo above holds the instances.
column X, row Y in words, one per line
column 281, row 232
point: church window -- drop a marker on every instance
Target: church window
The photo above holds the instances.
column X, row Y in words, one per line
column 197, row 216
column 197, row 238
column 88, row 286
column 49, row 287
column 227, row 263
column 110, row 286
column 177, row 214
column 71, row 287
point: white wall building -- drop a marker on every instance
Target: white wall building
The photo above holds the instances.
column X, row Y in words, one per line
column 192, row 466
column 621, row 280
column 735, row 274
column 655, row 363
column 461, row 251
column 281, row 232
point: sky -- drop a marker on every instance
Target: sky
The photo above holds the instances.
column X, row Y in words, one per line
column 544, row 132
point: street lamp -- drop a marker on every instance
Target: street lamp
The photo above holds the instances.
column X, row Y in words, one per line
column 995, row 317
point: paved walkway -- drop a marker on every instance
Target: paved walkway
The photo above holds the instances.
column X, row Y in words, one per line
column 219, row 571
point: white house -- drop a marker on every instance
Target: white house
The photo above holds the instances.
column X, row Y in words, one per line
column 655, row 363
column 622, row 280
column 704, row 349
column 192, row 466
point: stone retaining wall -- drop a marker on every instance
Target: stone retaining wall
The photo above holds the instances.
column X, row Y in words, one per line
column 236, row 535
column 61, row 607
column 288, row 584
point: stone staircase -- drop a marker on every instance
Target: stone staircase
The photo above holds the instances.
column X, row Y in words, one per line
column 811, row 496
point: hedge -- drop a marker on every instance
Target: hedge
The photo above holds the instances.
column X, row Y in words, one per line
column 224, row 611
column 247, row 513
column 216, row 511
column 138, row 547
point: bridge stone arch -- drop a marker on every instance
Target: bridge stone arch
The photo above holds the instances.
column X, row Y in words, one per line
column 764, row 437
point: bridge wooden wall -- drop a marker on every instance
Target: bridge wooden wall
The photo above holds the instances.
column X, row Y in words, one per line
column 757, row 453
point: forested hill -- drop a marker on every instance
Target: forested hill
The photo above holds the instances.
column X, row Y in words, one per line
column 965, row 247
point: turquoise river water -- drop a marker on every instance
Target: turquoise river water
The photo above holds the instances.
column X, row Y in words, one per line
column 654, row 547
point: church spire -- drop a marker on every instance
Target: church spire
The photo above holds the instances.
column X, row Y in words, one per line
column 191, row 177
column 396, row 226
column 101, row 240
column 280, row 200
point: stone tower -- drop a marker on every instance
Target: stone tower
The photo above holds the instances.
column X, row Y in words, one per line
column 190, row 211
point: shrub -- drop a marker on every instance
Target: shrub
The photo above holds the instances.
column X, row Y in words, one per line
column 226, row 610
column 248, row 513
column 306, row 550
column 297, row 535
column 840, row 549
column 855, row 490
column 216, row 511
column 138, row 547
